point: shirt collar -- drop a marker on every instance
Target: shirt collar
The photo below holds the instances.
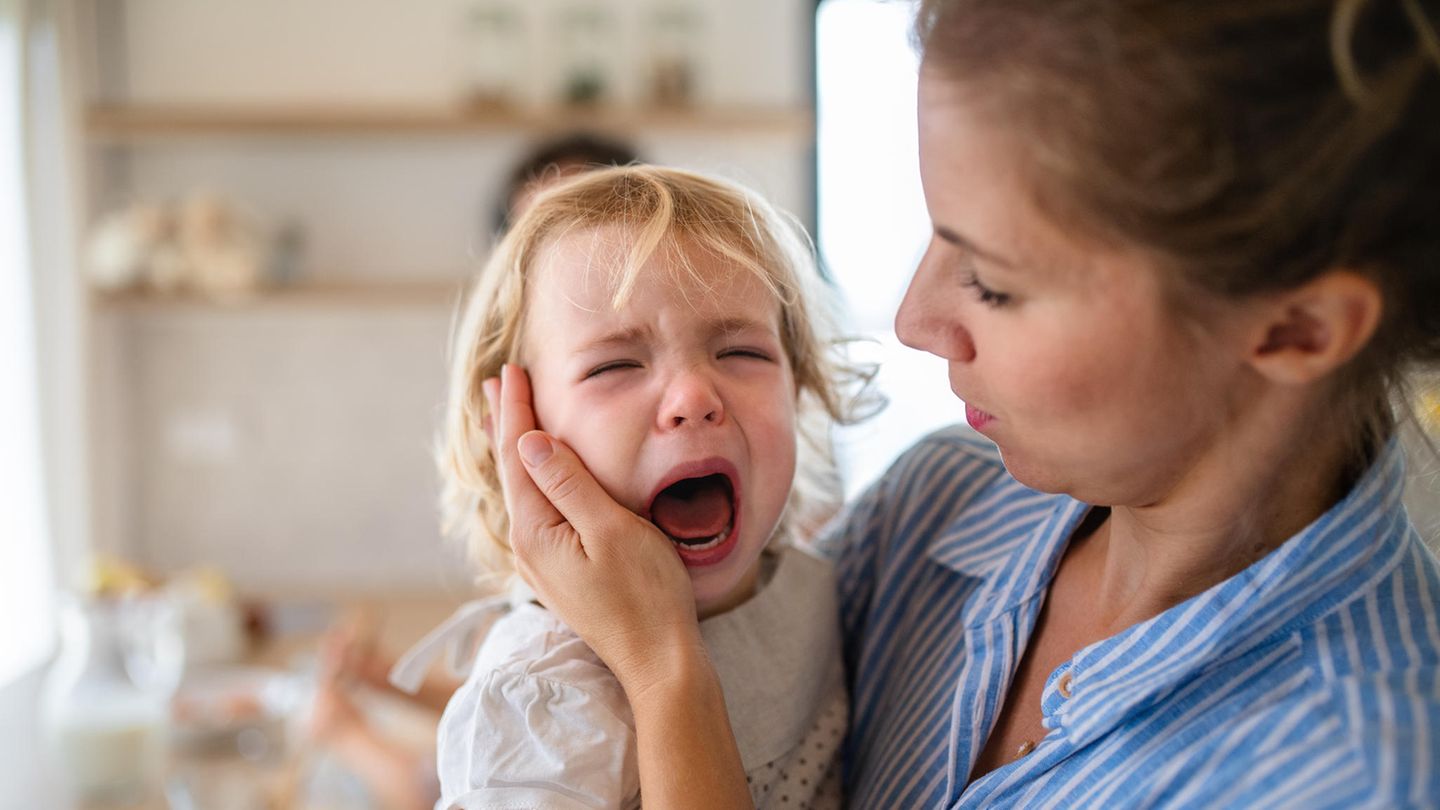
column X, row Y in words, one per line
column 1334, row 560
column 1010, row 536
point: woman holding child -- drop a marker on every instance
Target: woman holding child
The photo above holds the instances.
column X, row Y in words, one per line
column 1184, row 257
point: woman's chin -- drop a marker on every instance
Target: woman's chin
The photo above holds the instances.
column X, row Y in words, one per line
column 1035, row 476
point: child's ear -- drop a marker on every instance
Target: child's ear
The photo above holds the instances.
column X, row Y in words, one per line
column 1304, row 334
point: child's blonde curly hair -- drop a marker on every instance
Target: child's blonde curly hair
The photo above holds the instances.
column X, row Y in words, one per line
column 680, row 213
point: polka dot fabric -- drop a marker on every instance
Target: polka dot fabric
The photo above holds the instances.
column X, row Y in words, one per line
column 808, row 776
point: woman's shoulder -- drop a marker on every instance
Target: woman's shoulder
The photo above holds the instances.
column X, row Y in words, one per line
column 955, row 445
column 1389, row 624
column 951, row 490
column 1378, row 660
column 950, row 465
column 941, row 476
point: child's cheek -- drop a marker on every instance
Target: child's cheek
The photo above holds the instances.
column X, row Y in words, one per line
column 598, row 429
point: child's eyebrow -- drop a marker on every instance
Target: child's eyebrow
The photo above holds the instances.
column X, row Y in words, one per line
column 729, row 326
column 620, row 337
column 639, row 334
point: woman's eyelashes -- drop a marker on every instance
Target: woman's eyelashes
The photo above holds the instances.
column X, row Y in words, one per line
column 963, row 262
column 987, row 296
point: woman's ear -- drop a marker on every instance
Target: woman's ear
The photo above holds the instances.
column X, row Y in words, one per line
column 1304, row 334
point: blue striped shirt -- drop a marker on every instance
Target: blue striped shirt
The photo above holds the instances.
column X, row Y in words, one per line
column 1310, row 679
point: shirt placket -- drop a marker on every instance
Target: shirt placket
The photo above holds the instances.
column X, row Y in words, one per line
column 998, row 788
column 979, row 694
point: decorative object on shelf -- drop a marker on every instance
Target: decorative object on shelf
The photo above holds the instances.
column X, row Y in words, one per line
column 675, row 40
column 492, row 55
column 123, row 246
column 586, row 53
column 223, row 248
column 288, row 252
column 205, row 245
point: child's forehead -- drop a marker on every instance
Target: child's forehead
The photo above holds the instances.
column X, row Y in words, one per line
column 590, row 266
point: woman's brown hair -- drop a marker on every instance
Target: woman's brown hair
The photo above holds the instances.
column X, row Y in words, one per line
column 1249, row 145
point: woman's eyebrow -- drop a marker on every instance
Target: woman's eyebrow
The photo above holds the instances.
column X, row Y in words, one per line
column 959, row 241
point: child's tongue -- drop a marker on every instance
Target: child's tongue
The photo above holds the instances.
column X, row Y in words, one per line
column 697, row 508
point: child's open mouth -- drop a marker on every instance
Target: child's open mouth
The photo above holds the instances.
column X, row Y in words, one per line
column 698, row 515
column 697, row 512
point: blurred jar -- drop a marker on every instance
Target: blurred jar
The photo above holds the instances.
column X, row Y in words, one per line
column 105, row 732
column 587, row 53
column 675, row 34
column 492, row 54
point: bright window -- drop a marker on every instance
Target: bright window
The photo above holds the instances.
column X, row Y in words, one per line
column 872, row 223
column 24, row 549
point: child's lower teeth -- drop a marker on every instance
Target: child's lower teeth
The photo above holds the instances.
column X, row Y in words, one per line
column 703, row 545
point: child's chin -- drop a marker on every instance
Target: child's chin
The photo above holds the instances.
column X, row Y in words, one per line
column 708, row 598
column 716, row 590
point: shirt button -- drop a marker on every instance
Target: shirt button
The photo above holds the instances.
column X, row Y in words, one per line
column 1063, row 686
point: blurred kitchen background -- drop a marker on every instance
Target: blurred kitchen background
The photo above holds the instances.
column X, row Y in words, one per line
column 233, row 236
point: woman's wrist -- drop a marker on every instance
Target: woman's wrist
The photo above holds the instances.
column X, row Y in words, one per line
column 658, row 668
column 687, row 753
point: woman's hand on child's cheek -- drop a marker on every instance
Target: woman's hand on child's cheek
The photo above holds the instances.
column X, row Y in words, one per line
column 611, row 576
column 491, row 389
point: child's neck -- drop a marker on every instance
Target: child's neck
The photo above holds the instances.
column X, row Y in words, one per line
column 744, row 589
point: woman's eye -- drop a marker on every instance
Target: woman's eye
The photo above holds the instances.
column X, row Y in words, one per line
column 611, row 366
column 987, row 296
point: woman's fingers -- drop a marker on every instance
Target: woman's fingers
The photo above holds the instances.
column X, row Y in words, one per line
column 530, row 512
column 565, row 482
column 612, row 576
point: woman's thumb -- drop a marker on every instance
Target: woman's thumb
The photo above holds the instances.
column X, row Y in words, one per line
column 535, row 449
column 565, row 482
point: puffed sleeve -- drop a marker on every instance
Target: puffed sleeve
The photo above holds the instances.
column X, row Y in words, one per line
column 513, row 740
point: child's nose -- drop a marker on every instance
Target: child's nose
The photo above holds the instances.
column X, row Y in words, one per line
column 690, row 399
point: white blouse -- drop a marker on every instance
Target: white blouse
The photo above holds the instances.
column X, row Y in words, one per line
column 541, row 723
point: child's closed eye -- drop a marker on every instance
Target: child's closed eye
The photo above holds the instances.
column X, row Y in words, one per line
column 613, row 365
column 747, row 353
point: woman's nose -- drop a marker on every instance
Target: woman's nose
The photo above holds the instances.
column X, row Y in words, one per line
column 929, row 316
column 690, row 399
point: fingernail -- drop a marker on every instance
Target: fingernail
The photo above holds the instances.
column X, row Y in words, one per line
column 535, row 448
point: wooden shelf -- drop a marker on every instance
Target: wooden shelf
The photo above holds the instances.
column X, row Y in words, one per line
column 310, row 296
column 135, row 123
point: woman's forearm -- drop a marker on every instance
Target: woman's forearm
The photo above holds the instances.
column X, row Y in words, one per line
column 687, row 752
